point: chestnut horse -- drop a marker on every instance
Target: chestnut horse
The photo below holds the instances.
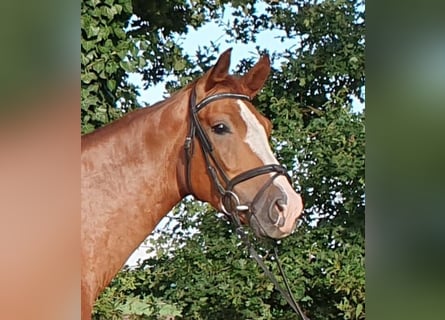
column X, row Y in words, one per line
column 207, row 140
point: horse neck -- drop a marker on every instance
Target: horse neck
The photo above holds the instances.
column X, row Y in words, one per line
column 138, row 157
column 131, row 177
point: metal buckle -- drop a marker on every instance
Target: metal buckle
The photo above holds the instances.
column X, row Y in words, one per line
column 187, row 143
column 231, row 196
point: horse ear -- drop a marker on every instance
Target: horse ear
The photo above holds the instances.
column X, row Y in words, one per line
column 254, row 80
column 219, row 71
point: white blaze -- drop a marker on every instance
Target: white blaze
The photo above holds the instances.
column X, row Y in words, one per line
column 256, row 136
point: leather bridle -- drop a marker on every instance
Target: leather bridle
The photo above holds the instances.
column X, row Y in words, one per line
column 229, row 199
column 230, row 202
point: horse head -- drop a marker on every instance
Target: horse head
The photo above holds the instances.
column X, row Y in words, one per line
column 234, row 168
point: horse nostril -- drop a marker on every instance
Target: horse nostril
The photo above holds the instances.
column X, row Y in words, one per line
column 280, row 204
column 276, row 212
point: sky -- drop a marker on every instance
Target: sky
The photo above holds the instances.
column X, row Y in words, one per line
column 202, row 37
column 212, row 32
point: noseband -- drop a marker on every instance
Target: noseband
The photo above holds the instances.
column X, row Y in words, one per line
column 214, row 168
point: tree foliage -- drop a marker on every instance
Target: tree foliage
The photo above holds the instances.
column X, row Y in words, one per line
column 206, row 274
column 121, row 37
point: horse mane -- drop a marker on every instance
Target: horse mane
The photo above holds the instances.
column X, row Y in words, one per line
column 230, row 81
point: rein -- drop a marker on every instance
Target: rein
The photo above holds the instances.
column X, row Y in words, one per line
column 287, row 294
column 230, row 202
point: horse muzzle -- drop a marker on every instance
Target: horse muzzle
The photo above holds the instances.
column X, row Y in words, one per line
column 276, row 213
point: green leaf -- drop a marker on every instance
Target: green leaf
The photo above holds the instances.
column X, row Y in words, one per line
column 88, row 77
column 127, row 66
column 111, row 84
column 99, row 66
column 141, row 62
column 179, row 65
column 169, row 310
column 93, row 31
column 358, row 310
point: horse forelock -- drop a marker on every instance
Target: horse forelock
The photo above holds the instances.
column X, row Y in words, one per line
column 231, row 84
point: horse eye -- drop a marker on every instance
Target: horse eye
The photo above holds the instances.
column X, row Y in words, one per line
column 220, row 128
